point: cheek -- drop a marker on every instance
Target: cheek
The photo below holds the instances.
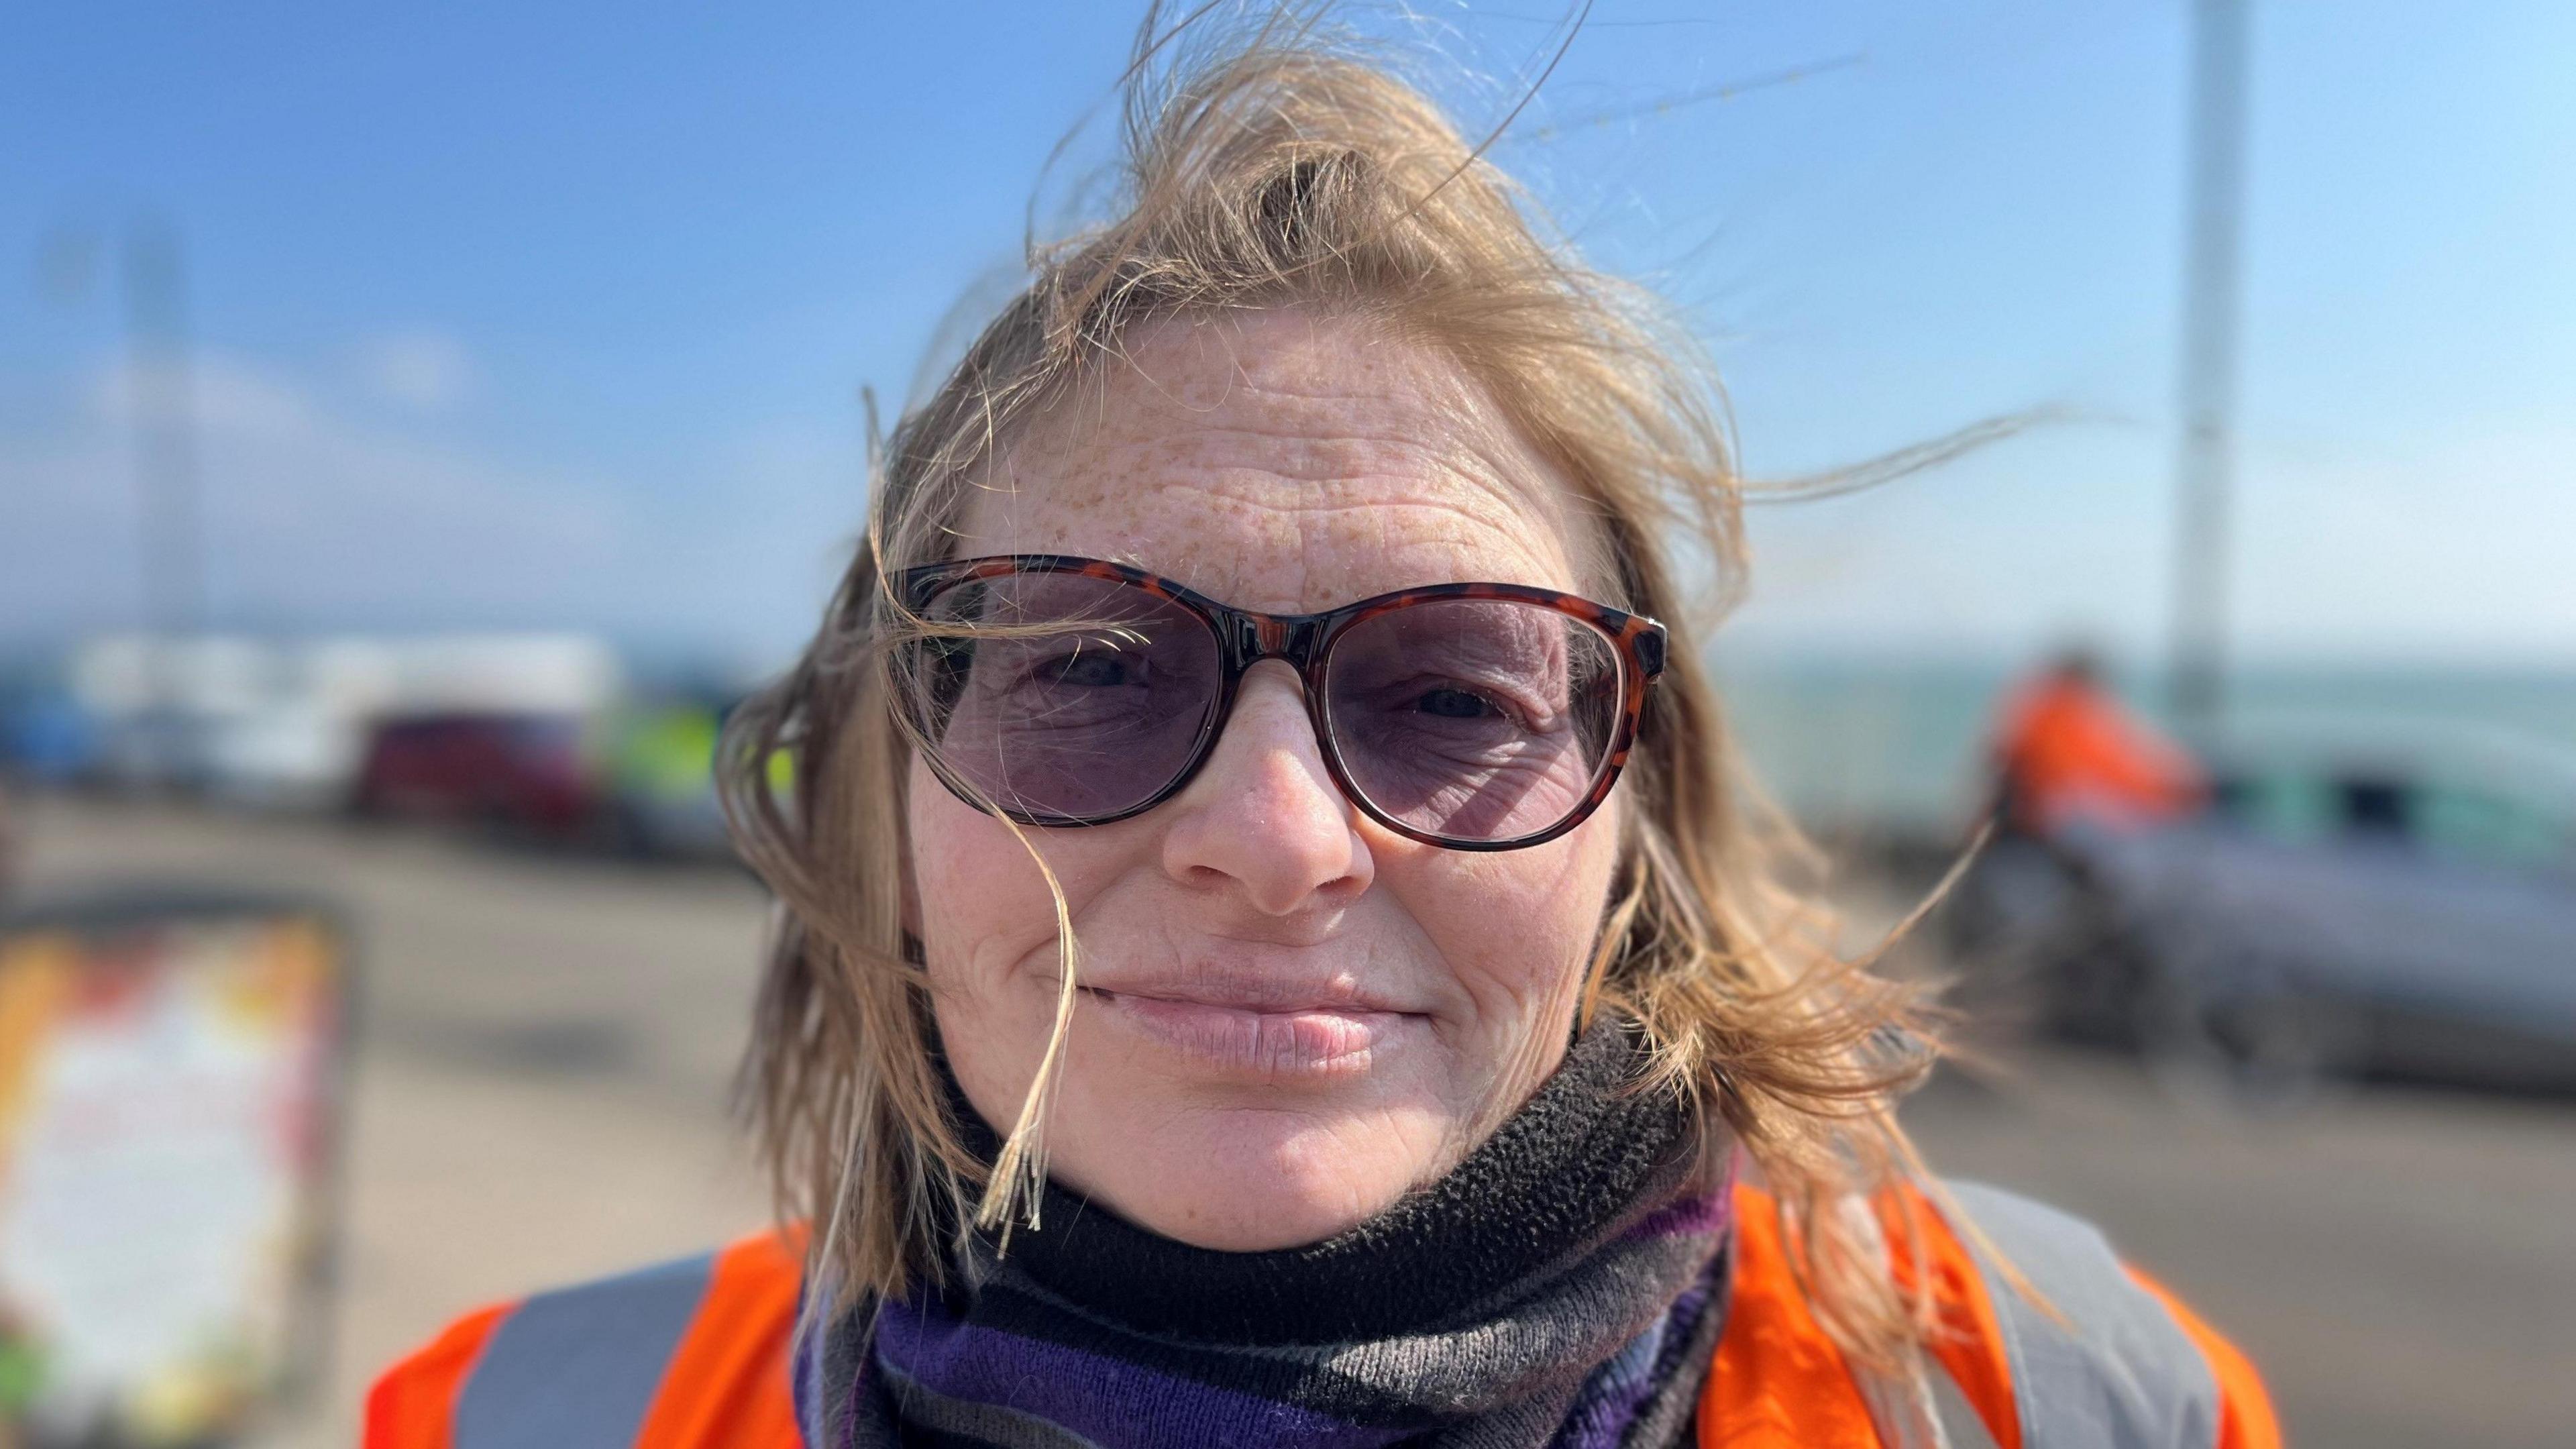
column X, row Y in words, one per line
column 979, row 901
column 1516, row 926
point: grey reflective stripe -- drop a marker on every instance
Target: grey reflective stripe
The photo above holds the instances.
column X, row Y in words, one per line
column 577, row 1369
column 2119, row 1373
column 1959, row 1425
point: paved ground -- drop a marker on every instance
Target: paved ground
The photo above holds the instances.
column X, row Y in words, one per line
column 546, row 1045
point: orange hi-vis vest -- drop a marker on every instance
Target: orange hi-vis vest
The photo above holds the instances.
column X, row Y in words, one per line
column 694, row 1355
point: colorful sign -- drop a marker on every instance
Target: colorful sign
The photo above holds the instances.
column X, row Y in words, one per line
column 167, row 1112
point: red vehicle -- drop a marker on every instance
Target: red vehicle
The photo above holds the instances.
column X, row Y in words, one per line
column 527, row 773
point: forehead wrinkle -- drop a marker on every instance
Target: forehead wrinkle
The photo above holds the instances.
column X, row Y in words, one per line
column 1311, row 475
column 1291, row 554
column 1240, row 514
column 1468, row 491
column 1372, row 389
column 1324, row 557
column 1326, row 446
column 1163, row 476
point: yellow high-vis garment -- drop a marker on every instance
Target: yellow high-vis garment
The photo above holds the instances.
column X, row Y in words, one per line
column 695, row 1354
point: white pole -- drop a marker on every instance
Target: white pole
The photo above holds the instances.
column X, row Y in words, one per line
column 2212, row 285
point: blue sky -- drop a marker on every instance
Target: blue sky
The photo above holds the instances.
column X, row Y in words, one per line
column 557, row 315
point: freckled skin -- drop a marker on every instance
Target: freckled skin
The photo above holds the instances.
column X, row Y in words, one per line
column 1287, row 463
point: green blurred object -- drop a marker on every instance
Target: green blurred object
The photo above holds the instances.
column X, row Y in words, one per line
column 22, row 1376
column 661, row 763
column 667, row 753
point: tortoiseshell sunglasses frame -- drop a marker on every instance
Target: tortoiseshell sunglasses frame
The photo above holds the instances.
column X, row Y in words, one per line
column 1304, row 642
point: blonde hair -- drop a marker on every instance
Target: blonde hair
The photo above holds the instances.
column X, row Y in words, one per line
column 1283, row 170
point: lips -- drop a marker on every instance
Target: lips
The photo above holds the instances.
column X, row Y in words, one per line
column 1258, row 1026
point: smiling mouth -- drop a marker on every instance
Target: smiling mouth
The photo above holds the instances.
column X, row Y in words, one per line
column 1270, row 1040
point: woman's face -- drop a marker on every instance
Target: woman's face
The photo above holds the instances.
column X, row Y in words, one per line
column 1293, row 1015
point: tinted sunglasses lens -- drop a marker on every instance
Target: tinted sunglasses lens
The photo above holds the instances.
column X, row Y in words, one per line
column 1474, row 719
column 1075, row 698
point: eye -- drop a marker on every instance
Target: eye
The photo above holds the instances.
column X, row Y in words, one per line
column 1089, row 669
column 1451, row 703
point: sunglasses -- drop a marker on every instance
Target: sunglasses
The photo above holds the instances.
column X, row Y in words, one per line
column 1065, row 691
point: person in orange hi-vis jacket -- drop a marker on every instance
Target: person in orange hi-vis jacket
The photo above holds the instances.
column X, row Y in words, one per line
column 2069, row 751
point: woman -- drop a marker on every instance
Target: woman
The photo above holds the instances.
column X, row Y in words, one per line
column 1270, row 954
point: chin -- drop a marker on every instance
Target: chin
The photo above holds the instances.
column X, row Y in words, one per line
column 1247, row 1179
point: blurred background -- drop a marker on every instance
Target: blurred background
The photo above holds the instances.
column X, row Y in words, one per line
column 418, row 428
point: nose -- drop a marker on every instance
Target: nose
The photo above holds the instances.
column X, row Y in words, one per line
column 1263, row 818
